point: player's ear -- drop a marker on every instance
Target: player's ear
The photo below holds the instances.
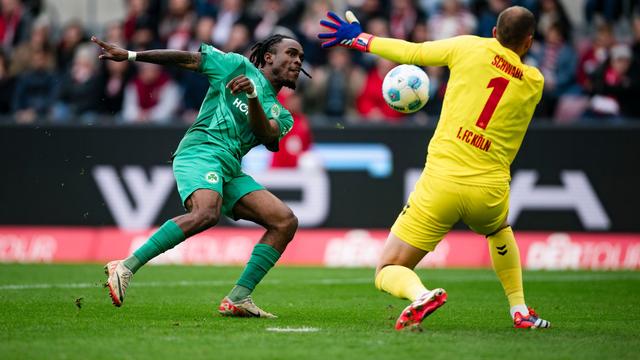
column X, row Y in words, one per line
column 268, row 58
column 528, row 43
column 494, row 32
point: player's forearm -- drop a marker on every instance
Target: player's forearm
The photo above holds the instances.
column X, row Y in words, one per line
column 260, row 125
column 399, row 51
column 184, row 59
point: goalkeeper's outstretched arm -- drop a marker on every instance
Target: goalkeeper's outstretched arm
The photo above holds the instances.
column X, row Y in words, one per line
column 183, row 59
column 348, row 33
column 400, row 51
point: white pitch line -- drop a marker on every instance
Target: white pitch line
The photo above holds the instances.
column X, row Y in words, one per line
column 179, row 284
column 531, row 277
column 289, row 329
column 97, row 285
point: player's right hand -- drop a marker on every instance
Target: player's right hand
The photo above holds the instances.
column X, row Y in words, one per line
column 241, row 83
column 111, row 51
column 344, row 33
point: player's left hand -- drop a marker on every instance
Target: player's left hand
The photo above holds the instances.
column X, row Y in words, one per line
column 111, row 51
column 344, row 33
column 239, row 84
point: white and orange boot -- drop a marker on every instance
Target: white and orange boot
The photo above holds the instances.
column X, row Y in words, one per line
column 242, row 308
column 118, row 278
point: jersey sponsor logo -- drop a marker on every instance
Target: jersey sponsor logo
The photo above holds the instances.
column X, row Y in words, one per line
column 474, row 139
column 212, row 177
column 244, row 108
column 275, row 111
column 503, row 65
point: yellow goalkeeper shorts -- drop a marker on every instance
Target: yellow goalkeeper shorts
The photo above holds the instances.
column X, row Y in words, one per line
column 437, row 204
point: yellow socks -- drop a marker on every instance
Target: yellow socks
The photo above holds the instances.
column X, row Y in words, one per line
column 505, row 258
column 404, row 283
column 400, row 281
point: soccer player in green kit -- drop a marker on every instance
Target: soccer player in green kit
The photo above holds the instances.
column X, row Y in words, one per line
column 239, row 112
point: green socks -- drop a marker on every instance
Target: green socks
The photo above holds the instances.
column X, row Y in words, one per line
column 263, row 258
column 238, row 293
column 165, row 238
column 132, row 263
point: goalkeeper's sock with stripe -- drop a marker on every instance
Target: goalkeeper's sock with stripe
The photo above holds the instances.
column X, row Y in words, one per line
column 400, row 282
column 166, row 237
column 505, row 258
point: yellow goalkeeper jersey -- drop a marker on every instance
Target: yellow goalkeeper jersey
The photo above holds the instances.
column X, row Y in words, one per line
column 490, row 99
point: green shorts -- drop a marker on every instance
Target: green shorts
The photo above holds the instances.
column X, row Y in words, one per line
column 203, row 167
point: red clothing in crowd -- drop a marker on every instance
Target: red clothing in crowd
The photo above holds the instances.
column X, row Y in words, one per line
column 9, row 23
column 371, row 99
column 296, row 142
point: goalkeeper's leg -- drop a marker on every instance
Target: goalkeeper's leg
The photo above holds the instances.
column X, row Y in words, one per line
column 395, row 276
column 505, row 258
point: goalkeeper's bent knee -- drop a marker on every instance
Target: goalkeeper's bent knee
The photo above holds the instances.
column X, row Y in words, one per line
column 400, row 282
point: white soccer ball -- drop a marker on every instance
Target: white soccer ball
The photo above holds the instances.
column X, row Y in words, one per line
column 406, row 88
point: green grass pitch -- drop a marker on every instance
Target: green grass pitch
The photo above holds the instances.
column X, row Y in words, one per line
column 62, row 312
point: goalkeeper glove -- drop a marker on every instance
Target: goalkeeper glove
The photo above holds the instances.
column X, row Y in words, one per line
column 344, row 33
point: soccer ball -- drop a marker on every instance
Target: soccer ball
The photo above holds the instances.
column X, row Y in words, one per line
column 406, row 88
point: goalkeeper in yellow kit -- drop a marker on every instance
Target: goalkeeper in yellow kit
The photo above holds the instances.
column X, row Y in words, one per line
column 490, row 98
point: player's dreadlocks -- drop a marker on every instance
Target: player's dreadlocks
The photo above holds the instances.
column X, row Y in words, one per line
column 262, row 47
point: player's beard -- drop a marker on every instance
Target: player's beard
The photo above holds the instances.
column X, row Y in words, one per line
column 291, row 84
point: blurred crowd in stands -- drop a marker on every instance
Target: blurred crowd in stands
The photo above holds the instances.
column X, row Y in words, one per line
column 50, row 73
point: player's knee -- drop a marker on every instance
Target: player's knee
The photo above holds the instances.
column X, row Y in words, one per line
column 290, row 223
column 205, row 219
column 500, row 228
column 379, row 268
column 287, row 223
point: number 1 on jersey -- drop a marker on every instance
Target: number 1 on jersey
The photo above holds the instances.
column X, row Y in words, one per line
column 499, row 85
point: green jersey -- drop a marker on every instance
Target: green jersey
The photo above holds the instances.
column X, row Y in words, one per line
column 223, row 120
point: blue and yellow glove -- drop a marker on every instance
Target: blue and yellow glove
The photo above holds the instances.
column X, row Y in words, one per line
column 344, row 33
